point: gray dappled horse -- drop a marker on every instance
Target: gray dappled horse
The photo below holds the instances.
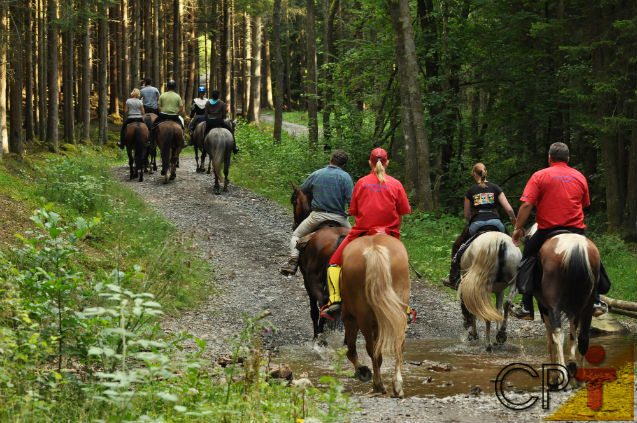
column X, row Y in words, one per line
column 170, row 140
column 488, row 266
column 218, row 144
column 135, row 136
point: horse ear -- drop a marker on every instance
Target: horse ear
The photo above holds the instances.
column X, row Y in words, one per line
column 294, row 187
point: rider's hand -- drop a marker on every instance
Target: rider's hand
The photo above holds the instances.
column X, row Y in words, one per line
column 517, row 236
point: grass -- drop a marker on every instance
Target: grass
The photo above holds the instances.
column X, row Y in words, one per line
column 298, row 117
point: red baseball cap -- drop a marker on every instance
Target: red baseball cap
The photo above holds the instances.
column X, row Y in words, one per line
column 378, row 154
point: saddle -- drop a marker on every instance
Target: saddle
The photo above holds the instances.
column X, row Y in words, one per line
column 301, row 244
column 458, row 257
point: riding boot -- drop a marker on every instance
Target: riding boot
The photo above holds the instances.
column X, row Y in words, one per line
column 454, row 276
column 524, row 311
column 290, row 267
column 526, row 275
column 333, row 307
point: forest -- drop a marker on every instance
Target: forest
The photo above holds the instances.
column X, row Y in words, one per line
column 440, row 84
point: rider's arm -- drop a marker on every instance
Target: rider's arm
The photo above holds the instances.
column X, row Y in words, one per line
column 523, row 215
column 467, row 210
column 142, row 110
column 507, row 207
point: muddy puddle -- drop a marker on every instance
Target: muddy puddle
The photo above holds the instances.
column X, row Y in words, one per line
column 444, row 367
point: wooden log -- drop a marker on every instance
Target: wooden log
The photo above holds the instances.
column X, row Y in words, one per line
column 619, row 304
column 622, row 312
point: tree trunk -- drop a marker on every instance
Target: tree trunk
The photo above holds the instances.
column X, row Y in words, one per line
column 328, row 29
column 52, row 76
column 311, row 90
column 177, row 10
column 85, row 112
column 417, row 180
column 278, row 68
column 255, row 94
column 68, row 53
column 247, row 67
column 225, row 52
column 42, row 71
column 266, row 71
column 16, row 41
column 28, row 40
column 114, row 63
column 135, row 42
column 124, row 42
column 4, row 30
column 155, row 72
column 102, row 36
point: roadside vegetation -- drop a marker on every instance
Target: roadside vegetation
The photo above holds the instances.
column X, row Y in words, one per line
column 86, row 272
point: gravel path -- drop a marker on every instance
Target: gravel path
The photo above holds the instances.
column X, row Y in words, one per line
column 245, row 237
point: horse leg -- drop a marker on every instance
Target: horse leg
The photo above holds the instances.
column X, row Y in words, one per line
column 217, row 187
column 398, row 376
column 487, row 336
column 370, row 341
column 469, row 321
column 226, row 170
column 196, row 157
column 554, row 333
column 501, row 336
column 351, row 331
column 130, row 162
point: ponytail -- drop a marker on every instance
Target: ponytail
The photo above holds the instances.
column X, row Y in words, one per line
column 480, row 174
column 379, row 171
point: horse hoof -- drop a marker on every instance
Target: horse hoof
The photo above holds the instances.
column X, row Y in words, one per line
column 501, row 337
column 155, row 168
column 162, row 173
column 363, row 374
column 172, row 176
column 489, row 348
column 572, row 367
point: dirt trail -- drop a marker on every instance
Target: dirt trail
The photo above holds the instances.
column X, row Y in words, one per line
column 245, row 237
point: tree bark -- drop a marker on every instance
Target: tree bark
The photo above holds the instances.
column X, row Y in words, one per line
column 68, row 53
column 155, row 72
column 247, row 66
column 417, row 180
column 4, row 30
column 124, row 41
column 85, row 111
column 42, row 71
column 52, row 75
column 177, row 59
column 266, row 71
column 16, row 41
column 135, row 42
column 28, row 40
column 114, row 63
column 311, row 91
column 278, row 68
column 102, row 36
column 255, row 94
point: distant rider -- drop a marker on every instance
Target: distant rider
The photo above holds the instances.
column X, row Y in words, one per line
column 149, row 96
column 198, row 110
column 331, row 189
column 134, row 111
column 216, row 112
column 170, row 107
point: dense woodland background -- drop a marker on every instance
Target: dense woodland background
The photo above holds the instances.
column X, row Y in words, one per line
column 440, row 83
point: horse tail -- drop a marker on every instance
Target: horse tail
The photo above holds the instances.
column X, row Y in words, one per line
column 580, row 275
column 219, row 149
column 388, row 307
column 477, row 283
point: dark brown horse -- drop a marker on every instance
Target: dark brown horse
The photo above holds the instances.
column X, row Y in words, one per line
column 135, row 137
column 151, row 150
column 570, row 272
column 375, row 288
column 170, row 140
column 196, row 140
column 315, row 252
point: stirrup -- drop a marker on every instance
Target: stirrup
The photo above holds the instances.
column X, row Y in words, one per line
column 327, row 313
column 411, row 316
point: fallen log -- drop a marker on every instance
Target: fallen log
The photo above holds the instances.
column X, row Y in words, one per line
column 619, row 304
column 616, row 310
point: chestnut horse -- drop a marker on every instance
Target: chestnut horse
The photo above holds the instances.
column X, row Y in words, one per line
column 135, row 137
column 375, row 288
column 488, row 266
column 315, row 249
column 170, row 140
column 570, row 273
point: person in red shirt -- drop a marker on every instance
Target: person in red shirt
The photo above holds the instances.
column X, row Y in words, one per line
column 378, row 204
column 559, row 194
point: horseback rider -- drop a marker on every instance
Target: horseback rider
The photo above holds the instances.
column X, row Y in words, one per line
column 559, row 194
column 216, row 112
column 378, row 203
column 149, row 96
column 134, row 111
column 480, row 210
column 331, row 189
column 198, row 110
column 170, row 107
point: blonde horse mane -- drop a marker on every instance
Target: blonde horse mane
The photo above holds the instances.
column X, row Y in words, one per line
column 386, row 304
column 477, row 283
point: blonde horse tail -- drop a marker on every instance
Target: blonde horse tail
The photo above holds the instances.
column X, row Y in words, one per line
column 219, row 153
column 388, row 307
column 477, row 283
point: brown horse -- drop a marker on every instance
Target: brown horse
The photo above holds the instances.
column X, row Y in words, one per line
column 196, row 140
column 315, row 252
column 375, row 288
column 170, row 140
column 570, row 272
column 151, row 150
column 488, row 266
column 135, row 137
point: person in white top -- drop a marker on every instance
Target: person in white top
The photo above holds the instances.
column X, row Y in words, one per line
column 134, row 112
column 197, row 112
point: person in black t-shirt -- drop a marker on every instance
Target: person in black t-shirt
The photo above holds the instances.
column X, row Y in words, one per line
column 480, row 209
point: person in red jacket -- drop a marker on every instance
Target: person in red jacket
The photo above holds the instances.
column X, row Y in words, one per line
column 378, row 203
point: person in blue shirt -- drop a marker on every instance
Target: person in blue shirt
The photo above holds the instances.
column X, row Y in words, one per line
column 331, row 189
